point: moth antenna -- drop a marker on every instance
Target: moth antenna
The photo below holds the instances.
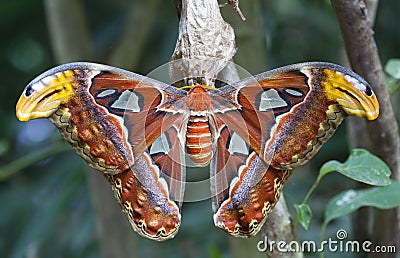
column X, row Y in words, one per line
column 186, row 77
column 214, row 78
column 190, row 80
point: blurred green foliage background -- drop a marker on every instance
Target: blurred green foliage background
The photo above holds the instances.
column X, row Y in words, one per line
column 46, row 208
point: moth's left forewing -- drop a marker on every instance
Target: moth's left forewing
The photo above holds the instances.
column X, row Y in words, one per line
column 109, row 115
column 300, row 109
column 63, row 95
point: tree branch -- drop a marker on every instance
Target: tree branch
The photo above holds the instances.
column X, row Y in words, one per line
column 279, row 228
column 115, row 234
column 358, row 138
column 208, row 43
column 250, row 39
column 363, row 56
column 130, row 44
column 68, row 29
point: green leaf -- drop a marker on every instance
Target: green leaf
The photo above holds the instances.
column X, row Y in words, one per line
column 304, row 214
column 361, row 166
column 393, row 68
column 214, row 251
column 393, row 85
column 383, row 197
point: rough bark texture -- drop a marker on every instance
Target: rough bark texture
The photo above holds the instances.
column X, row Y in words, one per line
column 363, row 56
column 358, row 138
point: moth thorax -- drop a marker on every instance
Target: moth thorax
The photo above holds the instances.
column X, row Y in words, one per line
column 199, row 140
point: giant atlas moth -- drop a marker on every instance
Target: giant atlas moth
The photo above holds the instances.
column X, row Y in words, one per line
column 141, row 132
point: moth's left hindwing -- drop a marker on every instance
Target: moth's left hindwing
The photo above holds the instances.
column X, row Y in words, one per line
column 151, row 192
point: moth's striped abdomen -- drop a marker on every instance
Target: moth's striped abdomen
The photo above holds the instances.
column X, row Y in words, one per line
column 199, row 140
